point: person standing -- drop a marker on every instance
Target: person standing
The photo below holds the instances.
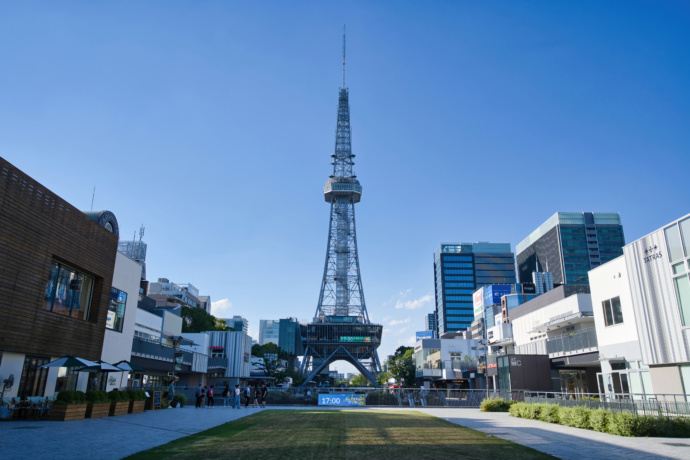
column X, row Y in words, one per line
column 227, row 395
column 264, row 393
column 211, row 401
column 236, row 396
column 203, row 397
column 255, row 395
column 171, row 390
column 198, row 396
column 247, row 395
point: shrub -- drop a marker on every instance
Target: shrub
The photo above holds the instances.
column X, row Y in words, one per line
column 179, row 398
column 549, row 413
column 599, row 420
column 165, row 403
column 71, row 397
column 532, row 411
column 97, row 397
column 495, row 405
column 517, row 409
column 118, row 396
column 627, row 424
column 136, row 395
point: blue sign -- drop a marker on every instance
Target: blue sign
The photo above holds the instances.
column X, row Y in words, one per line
column 493, row 293
column 419, row 335
column 342, row 400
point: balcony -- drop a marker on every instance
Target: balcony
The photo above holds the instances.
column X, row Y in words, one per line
column 217, row 363
column 565, row 320
column 576, row 343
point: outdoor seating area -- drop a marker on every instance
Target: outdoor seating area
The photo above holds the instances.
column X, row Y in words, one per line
column 33, row 407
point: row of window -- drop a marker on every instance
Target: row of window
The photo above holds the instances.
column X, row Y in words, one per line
column 457, row 258
column 459, row 298
column 458, row 278
column 457, row 265
column 459, row 291
column 459, row 285
column 458, row 272
column 69, row 292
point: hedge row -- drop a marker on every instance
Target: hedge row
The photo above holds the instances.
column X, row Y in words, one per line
column 495, row 404
column 619, row 423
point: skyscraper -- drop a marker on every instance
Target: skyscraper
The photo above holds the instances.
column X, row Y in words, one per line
column 462, row 268
column 430, row 323
column 569, row 244
column 341, row 329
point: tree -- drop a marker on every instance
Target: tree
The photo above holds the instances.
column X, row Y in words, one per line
column 383, row 377
column 197, row 320
column 269, row 348
column 402, row 366
column 359, row 381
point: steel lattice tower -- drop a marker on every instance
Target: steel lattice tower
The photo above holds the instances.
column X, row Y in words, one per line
column 341, row 329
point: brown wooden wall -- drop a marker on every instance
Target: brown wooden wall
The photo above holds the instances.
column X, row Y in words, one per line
column 37, row 226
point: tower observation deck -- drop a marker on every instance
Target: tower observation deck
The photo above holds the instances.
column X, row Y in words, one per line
column 341, row 329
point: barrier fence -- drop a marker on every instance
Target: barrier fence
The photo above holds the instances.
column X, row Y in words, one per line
column 400, row 397
column 662, row 405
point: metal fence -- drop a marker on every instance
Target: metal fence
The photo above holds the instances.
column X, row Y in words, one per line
column 662, row 405
column 399, row 397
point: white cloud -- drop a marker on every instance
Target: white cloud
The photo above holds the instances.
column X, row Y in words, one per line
column 408, row 342
column 414, row 303
column 396, row 322
column 221, row 308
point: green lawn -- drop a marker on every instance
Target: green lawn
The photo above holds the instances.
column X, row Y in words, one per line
column 331, row 434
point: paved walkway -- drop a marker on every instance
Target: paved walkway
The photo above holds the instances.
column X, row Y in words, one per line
column 117, row 437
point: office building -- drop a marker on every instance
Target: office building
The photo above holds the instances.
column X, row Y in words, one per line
column 461, row 268
column 238, row 323
column 269, row 331
column 168, row 294
column 569, row 244
column 430, row 323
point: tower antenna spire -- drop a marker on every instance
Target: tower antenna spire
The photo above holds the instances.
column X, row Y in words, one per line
column 343, row 56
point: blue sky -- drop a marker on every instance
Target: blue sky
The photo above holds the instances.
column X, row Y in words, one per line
column 212, row 124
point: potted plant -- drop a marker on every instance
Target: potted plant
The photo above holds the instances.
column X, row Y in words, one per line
column 137, row 401
column 68, row 405
column 98, row 404
column 119, row 402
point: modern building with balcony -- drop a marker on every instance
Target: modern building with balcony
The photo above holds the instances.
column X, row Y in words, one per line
column 641, row 306
column 448, row 363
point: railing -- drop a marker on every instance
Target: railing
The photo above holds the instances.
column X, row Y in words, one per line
column 574, row 342
column 217, row 363
column 400, row 397
column 662, row 405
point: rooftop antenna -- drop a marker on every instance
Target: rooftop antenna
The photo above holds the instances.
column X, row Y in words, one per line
column 94, row 191
column 343, row 56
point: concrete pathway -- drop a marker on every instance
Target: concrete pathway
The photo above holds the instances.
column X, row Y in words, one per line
column 117, row 437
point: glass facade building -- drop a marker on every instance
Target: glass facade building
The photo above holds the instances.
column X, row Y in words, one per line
column 569, row 244
column 459, row 270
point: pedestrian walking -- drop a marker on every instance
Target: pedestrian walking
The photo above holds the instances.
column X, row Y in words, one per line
column 197, row 393
column 264, row 393
column 255, row 395
column 247, row 396
column 203, row 397
column 236, row 397
column 211, row 401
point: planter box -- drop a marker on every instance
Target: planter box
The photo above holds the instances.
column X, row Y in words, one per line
column 136, row 406
column 67, row 412
column 119, row 408
column 96, row 410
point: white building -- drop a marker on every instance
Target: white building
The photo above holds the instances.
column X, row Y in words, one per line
column 447, row 359
column 269, row 331
column 642, row 313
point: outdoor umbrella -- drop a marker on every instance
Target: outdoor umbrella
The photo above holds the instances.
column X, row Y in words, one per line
column 100, row 366
column 126, row 366
column 70, row 361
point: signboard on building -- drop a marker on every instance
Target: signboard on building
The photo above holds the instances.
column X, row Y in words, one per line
column 478, row 301
column 493, row 293
column 419, row 335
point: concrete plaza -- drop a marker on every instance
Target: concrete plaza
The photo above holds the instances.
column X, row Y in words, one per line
column 118, row 437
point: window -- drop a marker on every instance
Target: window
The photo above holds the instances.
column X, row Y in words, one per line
column 116, row 310
column 613, row 314
column 68, row 291
column 683, row 293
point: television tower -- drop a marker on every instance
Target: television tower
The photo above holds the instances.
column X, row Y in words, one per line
column 341, row 329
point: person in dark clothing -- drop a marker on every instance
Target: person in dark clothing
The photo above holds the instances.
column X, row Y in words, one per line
column 247, row 395
column 211, row 401
column 198, row 395
column 263, row 394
